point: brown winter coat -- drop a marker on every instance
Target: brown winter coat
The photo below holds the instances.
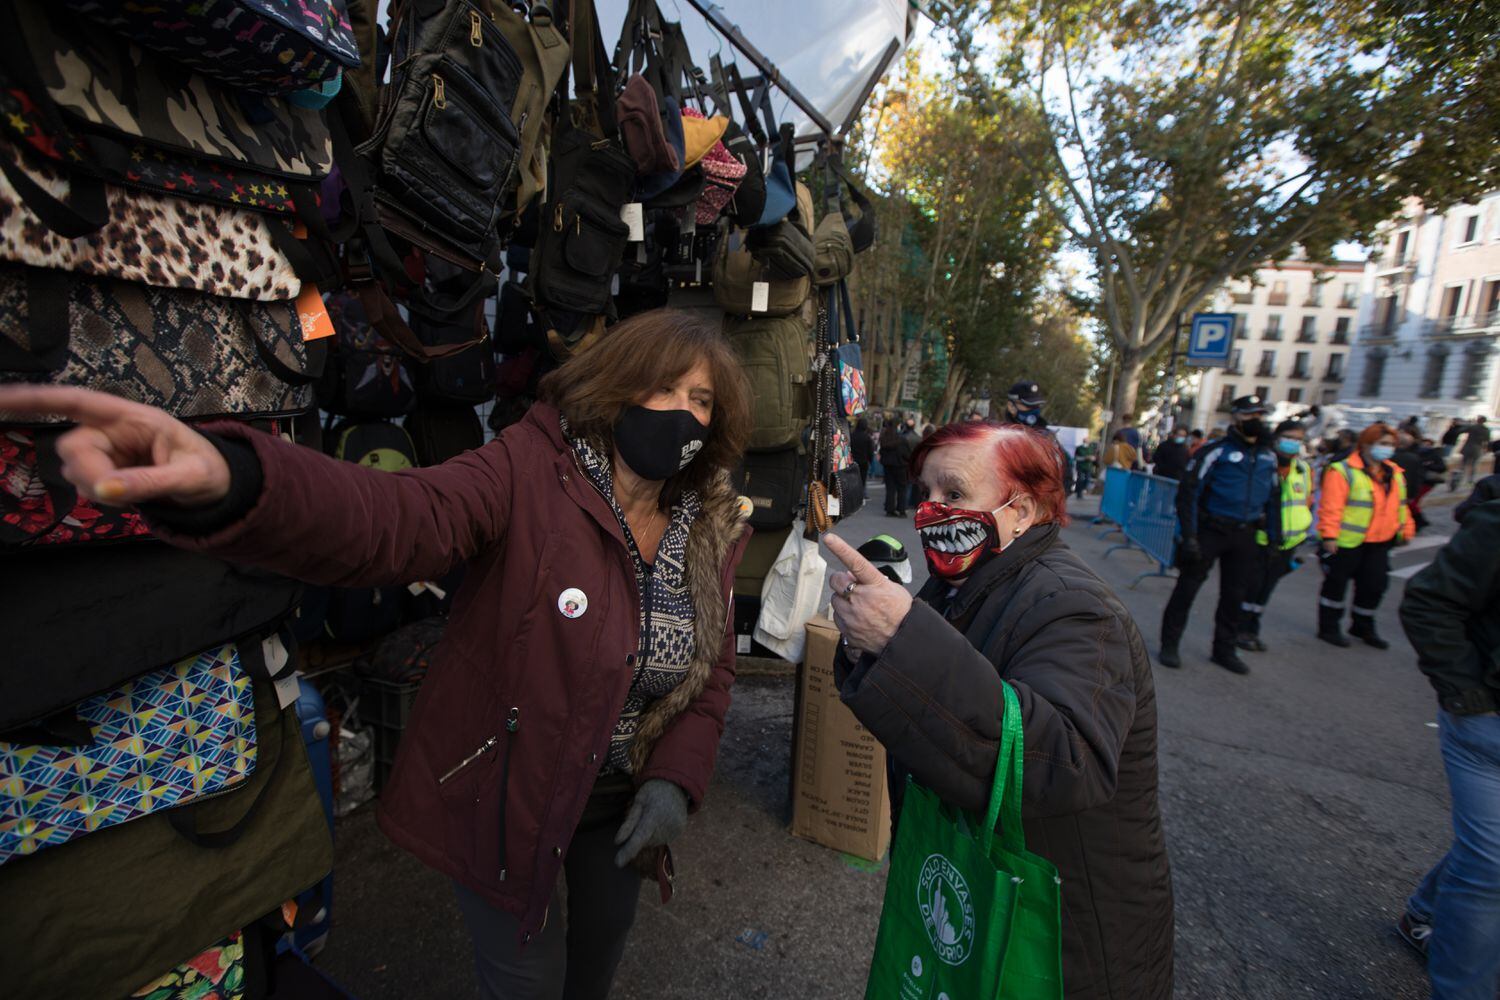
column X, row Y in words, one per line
column 526, row 695
column 1036, row 616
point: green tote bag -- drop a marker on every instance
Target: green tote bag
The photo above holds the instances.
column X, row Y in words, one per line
column 967, row 915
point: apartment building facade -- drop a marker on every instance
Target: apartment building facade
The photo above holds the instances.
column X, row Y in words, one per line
column 1429, row 325
column 1295, row 327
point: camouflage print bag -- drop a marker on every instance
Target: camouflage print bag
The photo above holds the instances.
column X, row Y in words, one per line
column 191, row 354
column 97, row 82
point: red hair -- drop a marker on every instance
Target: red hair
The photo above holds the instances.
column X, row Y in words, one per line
column 1374, row 433
column 1027, row 461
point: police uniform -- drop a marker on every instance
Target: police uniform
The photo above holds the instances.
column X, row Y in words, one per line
column 1227, row 492
column 1276, row 561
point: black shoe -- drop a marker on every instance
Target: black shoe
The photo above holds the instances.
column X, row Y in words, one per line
column 1369, row 637
column 1415, row 932
column 1168, row 657
column 1335, row 637
column 1251, row 643
column 1230, row 661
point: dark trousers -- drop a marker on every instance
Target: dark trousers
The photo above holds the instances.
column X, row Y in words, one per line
column 895, row 489
column 1236, row 552
column 1272, row 566
column 575, row 954
column 864, row 473
column 1369, row 566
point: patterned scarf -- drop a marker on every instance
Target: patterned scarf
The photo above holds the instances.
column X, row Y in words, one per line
column 667, row 614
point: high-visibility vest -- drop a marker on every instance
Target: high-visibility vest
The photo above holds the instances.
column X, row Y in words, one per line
column 1296, row 515
column 1359, row 509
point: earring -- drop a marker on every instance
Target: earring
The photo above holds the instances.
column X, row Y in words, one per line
column 1016, row 530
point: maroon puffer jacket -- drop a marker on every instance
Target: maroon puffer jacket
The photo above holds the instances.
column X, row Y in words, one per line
column 514, row 718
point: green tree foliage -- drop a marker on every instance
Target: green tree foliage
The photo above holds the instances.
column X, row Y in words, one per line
column 1182, row 144
column 965, row 247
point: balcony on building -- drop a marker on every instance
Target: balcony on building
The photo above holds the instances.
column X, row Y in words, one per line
column 1332, row 375
column 1348, row 301
column 1302, row 372
column 1458, row 326
column 1340, row 337
column 1307, row 336
column 1265, row 370
column 1277, row 299
column 1243, row 298
column 1271, row 333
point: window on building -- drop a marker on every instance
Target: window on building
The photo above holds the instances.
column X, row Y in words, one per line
column 1349, row 297
column 1470, row 229
column 1432, row 375
column 1477, row 361
column 1489, row 303
column 1403, row 239
column 1264, row 392
column 1335, row 367
column 1302, row 366
column 1453, row 296
column 1278, row 293
column 1314, row 292
column 1385, row 316
column 1241, row 327
column 1309, row 332
column 1236, row 360
column 1267, row 364
column 1226, row 396
column 1294, row 395
column 1273, row 327
column 1330, row 396
column 1341, row 330
column 1374, row 373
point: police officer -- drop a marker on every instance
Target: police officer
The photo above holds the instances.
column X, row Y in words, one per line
column 1023, row 405
column 1228, row 490
column 1296, row 521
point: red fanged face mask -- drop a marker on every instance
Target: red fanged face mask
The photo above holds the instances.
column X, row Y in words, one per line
column 956, row 540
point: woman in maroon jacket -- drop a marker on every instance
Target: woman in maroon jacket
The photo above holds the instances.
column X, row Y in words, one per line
column 572, row 716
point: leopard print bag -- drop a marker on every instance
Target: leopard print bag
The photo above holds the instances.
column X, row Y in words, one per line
column 149, row 238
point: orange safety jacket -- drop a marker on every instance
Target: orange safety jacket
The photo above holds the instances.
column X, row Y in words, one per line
column 1385, row 519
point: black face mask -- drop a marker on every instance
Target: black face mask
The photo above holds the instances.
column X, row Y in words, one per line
column 1253, row 428
column 657, row 444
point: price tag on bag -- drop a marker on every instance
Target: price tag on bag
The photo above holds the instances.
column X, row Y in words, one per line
column 634, row 217
column 833, row 507
column 760, row 296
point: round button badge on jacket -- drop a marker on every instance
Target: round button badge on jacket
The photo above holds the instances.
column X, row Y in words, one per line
column 572, row 602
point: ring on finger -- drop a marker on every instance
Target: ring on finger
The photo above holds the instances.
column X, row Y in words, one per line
column 849, row 589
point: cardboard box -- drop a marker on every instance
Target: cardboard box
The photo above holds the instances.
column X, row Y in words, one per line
column 839, row 793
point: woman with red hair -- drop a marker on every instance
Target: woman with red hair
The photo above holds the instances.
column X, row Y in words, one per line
column 1362, row 512
column 1009, row 603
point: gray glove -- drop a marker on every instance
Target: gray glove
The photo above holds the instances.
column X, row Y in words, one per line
column 657, row 817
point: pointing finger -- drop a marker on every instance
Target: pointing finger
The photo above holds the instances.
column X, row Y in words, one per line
column 858, row 565
column 78, row 405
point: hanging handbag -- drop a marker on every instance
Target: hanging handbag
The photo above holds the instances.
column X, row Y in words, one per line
column 365, row 375
column 737, row 272
column 93, row 617
column 145, row 238
column 96, row 82
column 833, row 251
column 133, row 164
column 643, row 129
column 162, row 740
column 774, row 483
column 225, row 971
column 967, row 913
column 460, row 123
column 174, row 887
column 773, row 354
column 785, row 250
column 270, row 46
column 191, row 354
column 582, row 238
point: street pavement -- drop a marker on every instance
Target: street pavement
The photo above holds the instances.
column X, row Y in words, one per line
column 1302, row 803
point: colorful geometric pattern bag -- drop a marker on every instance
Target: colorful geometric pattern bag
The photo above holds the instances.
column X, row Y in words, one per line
column 162, row 740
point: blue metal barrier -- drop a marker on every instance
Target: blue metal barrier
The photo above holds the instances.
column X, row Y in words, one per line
column 1146, row 511
column 1112, row 505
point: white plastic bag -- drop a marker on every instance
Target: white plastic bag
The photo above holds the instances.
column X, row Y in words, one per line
column 789, row 597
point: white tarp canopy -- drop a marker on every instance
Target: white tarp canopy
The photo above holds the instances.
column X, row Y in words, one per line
column 827, row 49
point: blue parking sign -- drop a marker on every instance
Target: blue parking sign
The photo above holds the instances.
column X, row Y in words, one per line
column 1211, row 339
